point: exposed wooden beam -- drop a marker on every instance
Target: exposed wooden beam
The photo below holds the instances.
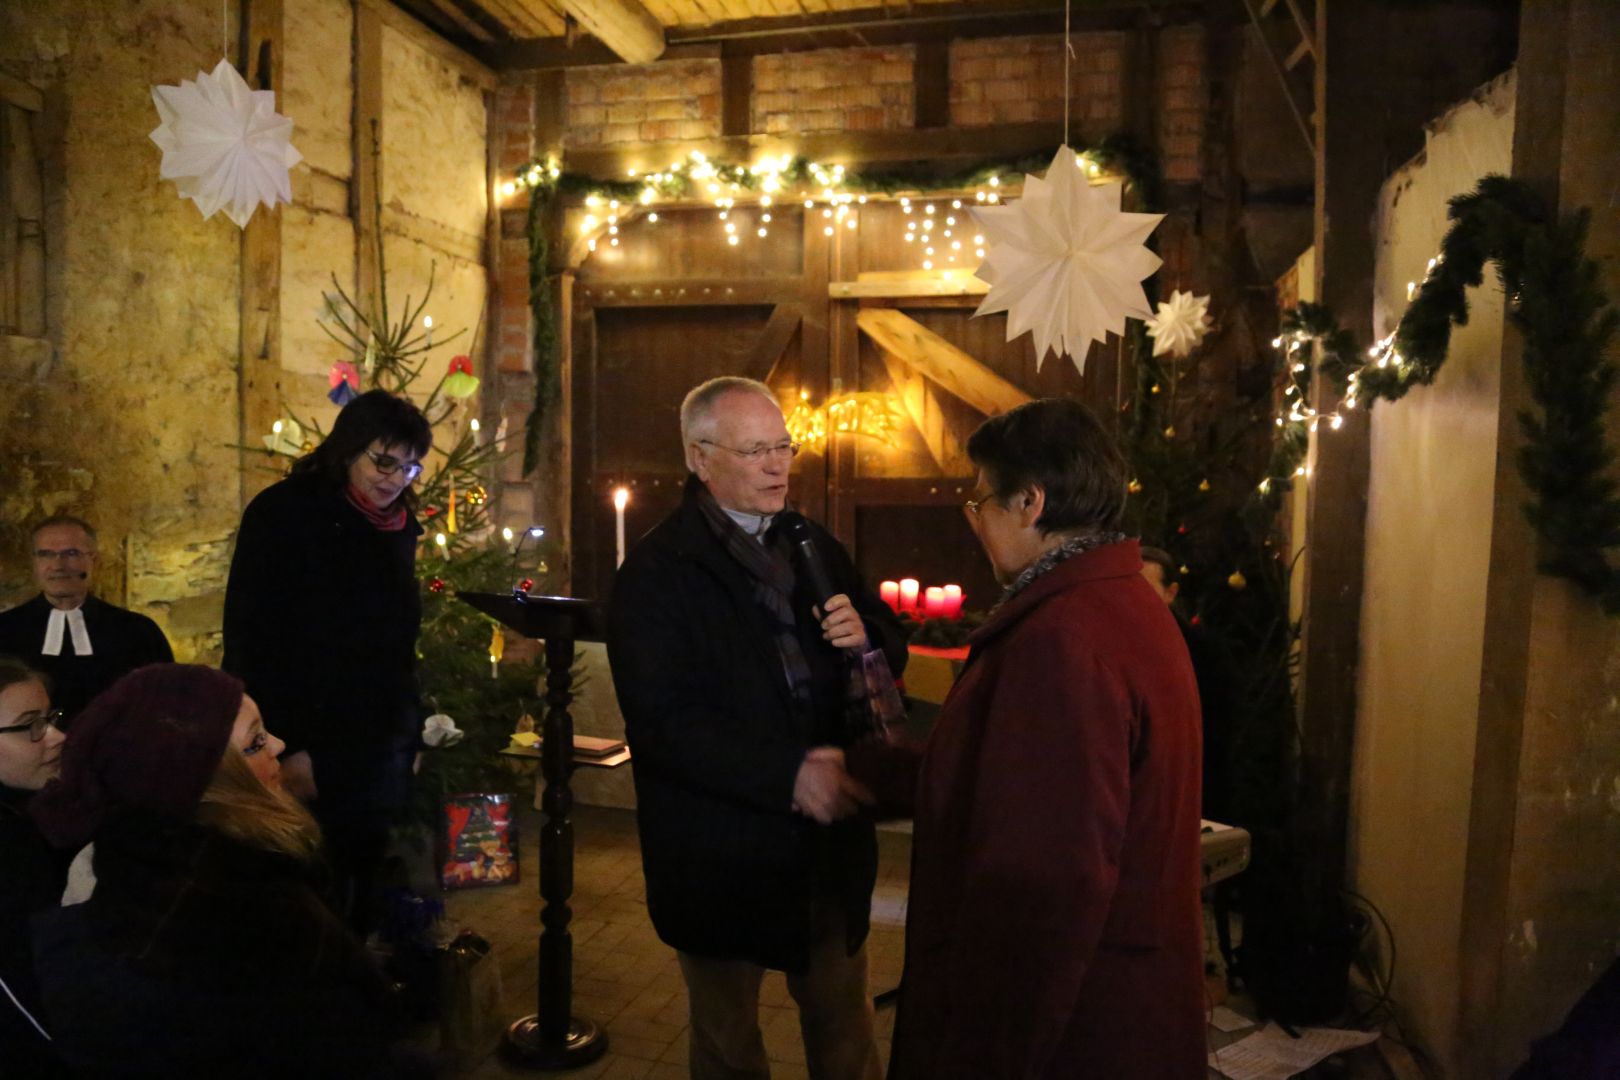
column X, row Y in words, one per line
column 736, row 95
column 939, row 360
column 844, row 29
column 906, row 284
column 366, row 134
column 1301, row 51
column 259, row 361
column 922, row 406
column 625, row 26
column 687, row 292
column 931, row 76
column 429, row 41
column 773, row 342
column 960, row 145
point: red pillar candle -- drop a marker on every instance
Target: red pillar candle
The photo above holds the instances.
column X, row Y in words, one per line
column 890, row 592
column 953, row 601
column 908, row 594
column 934, row 602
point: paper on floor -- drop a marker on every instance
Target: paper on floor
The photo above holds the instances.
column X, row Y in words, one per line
column 1229, row 1020
column 1272, row 1054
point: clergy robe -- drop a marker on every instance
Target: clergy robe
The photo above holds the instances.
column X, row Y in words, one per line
column 120, row 642
column 1053, row 928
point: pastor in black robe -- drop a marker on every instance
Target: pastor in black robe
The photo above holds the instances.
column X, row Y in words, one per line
column 120, row 642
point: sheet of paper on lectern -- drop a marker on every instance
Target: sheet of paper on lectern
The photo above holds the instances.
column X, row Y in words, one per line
column 1064, row 262
column 224, row 145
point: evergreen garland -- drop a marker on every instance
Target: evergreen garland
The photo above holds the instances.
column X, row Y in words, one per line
column 547, row 183
column 1558, row 306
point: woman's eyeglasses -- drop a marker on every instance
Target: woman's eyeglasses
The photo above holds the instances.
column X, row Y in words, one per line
column 388, row 465
column 36, row 724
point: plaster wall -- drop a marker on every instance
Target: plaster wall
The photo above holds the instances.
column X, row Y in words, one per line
column 1431, row 492
column 130, row 421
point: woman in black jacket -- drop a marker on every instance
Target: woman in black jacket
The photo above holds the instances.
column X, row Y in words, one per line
column 33, row 873
column 205, row 947
column 321, row 617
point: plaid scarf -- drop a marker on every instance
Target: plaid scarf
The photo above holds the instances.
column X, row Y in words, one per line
column 1065, row 551
column 870, row 702
column 772, row 574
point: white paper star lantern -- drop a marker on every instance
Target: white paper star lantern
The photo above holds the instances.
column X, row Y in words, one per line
column 1064, row 262
column 1180, row 325
column 224, row 145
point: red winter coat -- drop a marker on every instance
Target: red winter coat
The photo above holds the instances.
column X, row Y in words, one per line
column 1053, row 930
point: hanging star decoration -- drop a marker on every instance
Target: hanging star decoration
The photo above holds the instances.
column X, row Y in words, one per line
column 459, row 381
column 344, row 380
column 1180, row 325
column 224, row 145
column 1064, row 262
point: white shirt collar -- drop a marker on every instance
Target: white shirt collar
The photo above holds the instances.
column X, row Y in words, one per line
column 72, row 622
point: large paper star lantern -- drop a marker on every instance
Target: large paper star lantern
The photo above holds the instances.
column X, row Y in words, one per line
column 224, row 145
column 1180, row 325
column 1064, row 262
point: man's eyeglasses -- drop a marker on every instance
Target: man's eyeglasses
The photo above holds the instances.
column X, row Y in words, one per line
column 758, row 453
column 36, row 724
column 388, row 465
column 973, row 506
column 70, row 554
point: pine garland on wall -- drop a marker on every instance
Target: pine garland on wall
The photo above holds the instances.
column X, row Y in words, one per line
column 1558, row 306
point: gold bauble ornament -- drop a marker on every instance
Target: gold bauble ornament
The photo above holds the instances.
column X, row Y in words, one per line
column 1237, row 580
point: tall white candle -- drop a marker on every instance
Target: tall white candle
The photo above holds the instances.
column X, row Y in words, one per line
column 621, row 497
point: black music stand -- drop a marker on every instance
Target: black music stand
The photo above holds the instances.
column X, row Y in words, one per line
column 553, row 1038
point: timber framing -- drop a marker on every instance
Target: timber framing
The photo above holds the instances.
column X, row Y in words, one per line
column 495, row 33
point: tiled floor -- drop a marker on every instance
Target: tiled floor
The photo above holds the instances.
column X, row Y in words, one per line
column 628, row 982
column 625, row 979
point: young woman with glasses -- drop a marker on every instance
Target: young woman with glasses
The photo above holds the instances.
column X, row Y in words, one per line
column 321, row 618
column 32, row 871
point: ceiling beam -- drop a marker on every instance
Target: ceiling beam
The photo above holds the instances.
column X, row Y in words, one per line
column 846, row 29
column 625, row 26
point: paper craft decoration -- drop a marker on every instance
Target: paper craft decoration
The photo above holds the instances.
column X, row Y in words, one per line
column 439, row 730
column 459, row 380
column 1180, row 325
column 344, row 380
column 479, row 842
column 1064, row 262
column 224, row 145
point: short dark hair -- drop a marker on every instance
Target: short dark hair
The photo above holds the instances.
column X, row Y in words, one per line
column 374, row 415
column 63, row 519
column 1169, row 571
column 1061, row 447
column 14, row 670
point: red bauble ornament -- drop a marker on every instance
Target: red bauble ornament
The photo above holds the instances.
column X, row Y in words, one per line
column 430, row 511
column 1181, row 530
column 436, row 585
column 526, row 584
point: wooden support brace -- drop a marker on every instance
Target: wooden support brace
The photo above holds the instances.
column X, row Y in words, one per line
column 773, row 341
column 923, row 407
column 259, row 362
column 624, row 26
column 939, row 360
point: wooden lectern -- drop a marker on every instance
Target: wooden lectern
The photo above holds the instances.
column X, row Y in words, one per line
column 553, row 1038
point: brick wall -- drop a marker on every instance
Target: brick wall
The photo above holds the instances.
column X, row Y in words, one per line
column 1020, row 79
column 678, row 99
column 870, row 89
column 1181, row 101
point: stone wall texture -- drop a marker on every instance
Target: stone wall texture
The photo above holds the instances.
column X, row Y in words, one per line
column 834, row 90
column 1020, row 79
column 675, row 99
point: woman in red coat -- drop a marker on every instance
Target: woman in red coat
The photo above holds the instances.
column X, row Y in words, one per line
column 1053, row 930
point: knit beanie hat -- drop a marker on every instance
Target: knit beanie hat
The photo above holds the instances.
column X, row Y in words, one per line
column 150, row 743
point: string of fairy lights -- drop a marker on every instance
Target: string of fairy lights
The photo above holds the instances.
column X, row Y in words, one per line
column 940, row 234
column 1382, row 356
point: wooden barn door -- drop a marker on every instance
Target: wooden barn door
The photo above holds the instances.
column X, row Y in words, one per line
column 820, row 318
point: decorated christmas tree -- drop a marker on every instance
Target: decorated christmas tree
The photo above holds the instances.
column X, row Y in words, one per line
column 460, row 651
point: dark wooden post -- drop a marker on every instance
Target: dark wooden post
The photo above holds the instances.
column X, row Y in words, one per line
column 553, row 1037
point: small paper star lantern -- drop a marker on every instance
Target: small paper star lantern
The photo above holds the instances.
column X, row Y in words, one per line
column 1180, row 325
column 224, row 145
column 1064, row 262
column 459, row 381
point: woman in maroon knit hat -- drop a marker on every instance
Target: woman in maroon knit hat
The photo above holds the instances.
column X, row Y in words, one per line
column 205, row 947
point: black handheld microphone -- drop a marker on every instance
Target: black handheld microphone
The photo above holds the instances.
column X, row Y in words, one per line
column 797, row 531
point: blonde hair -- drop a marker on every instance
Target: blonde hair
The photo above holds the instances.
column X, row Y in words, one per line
column 237, row 804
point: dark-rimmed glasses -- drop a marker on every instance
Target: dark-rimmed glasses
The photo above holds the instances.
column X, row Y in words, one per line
column 388, row 465
column 758, row 453
column 37, row 725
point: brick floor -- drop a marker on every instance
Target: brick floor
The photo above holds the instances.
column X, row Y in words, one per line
column 628, row 982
